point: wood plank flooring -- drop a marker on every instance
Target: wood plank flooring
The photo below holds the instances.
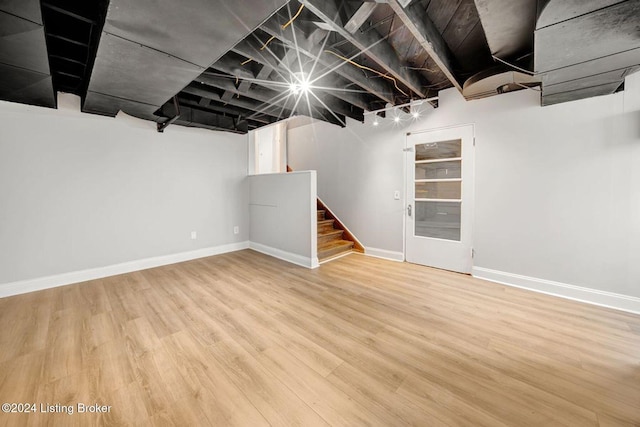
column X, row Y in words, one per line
column 247, row 340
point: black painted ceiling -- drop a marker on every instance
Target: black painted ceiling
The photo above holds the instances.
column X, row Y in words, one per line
column 236, row 66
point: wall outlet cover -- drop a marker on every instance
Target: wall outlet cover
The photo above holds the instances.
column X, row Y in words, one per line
column 194, row 235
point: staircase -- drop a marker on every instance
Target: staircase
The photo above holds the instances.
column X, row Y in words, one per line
column 333, row 239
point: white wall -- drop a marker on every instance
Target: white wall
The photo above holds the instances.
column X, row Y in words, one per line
column 557, row 188
column 80, row 191
column 265, row 143
column 283, row 220
column 268, row 149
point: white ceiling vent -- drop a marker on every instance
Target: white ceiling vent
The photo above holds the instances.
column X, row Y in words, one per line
column 496, row 81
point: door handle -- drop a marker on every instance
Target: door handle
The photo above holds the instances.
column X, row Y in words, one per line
column 409, row 210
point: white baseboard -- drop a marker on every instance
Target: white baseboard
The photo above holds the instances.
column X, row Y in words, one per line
column 563, row 290
column 31, row 285
column 284, row 255
column 385, row 254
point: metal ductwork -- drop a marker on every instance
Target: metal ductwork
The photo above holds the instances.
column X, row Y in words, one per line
column 508, row 26
column 150, row 49
column 495, row 81
column 585, row 48
column 24, row 64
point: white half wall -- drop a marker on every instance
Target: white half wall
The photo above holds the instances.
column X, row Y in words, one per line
column 81, row 192
column 283, row 219
column 557, row 188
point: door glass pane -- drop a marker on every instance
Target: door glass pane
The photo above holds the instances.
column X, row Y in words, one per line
column 439, row 150
column 439, row 170
column 438, row 219
column 439, row 190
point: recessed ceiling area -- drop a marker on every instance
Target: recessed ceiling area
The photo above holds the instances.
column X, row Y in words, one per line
column 237, row 66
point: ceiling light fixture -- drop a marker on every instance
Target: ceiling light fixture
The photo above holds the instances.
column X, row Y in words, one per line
column 300, row 84
column 376, row 122
column 413, row 103
column 305, row 86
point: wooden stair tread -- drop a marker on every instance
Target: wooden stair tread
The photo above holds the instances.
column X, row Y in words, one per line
column 334, row 248
column 335, row 243
column 332, row 232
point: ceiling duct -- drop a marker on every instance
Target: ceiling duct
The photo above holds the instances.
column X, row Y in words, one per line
column 495, row 81
column 508, row 26
column 585, row 48
column 151, row 49
column 24, row 65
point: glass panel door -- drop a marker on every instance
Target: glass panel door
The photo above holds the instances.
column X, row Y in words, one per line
column 439, row 185
column 438, row 189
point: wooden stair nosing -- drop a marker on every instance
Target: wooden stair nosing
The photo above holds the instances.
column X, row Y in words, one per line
column 333, row 248
column 332, row 232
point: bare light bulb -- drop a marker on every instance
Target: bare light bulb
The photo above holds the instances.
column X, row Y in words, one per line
column 396, row 119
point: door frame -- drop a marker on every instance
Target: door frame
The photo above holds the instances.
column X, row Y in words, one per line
column 408, row 162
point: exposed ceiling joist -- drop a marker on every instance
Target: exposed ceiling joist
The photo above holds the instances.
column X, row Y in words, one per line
column 375, row 47
column 416, row 20
column 253, row 123
column 194, row 117
column 223, row 109
column 263, row 74
column 359, row 17
column 68, row 40
column 281, row 98
column 276, row 112
column 279, row 68
column 294, row 38
column 68, row 13
column 196, row 100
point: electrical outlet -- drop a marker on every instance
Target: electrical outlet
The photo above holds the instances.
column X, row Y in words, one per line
column 194, row 235
column 396, row 195
column 236, row 230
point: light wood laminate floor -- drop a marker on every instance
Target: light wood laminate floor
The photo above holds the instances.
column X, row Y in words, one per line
column 245, row 339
